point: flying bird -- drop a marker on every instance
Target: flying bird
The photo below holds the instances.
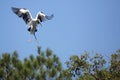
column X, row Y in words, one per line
column 31, row 22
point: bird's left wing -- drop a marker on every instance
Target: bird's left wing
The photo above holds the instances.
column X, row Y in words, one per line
column 23, row 13
column 42, row 17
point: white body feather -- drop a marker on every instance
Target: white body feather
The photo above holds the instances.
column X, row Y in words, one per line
column 31, row 22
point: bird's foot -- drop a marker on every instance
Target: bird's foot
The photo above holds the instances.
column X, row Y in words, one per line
column 29, row 29
column 35, row 30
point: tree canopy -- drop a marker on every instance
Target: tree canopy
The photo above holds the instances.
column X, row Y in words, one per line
column 47, row 66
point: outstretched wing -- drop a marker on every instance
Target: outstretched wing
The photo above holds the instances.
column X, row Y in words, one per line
column 42, row 17
column 23, row 13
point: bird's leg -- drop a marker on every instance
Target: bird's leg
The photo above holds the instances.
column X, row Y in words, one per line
column 31, row 29
column 35, row 36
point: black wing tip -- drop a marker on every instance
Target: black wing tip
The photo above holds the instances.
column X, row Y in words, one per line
column 13, row 8
column 50, row 17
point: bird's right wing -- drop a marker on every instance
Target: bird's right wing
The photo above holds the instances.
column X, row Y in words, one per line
column 23, row 13
column 42, row 17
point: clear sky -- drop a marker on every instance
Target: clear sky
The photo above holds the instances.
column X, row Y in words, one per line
column 77, row 26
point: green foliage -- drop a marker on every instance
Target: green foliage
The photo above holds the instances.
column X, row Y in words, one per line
column 44, row 66
column 47, row 66
column 115, row 65
column 84, row 67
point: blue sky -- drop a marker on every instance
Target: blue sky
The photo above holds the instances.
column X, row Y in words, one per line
column 77, row 26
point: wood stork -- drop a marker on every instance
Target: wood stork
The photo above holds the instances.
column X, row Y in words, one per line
column 31, row 22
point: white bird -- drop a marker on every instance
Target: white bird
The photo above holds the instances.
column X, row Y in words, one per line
column 31, row 22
